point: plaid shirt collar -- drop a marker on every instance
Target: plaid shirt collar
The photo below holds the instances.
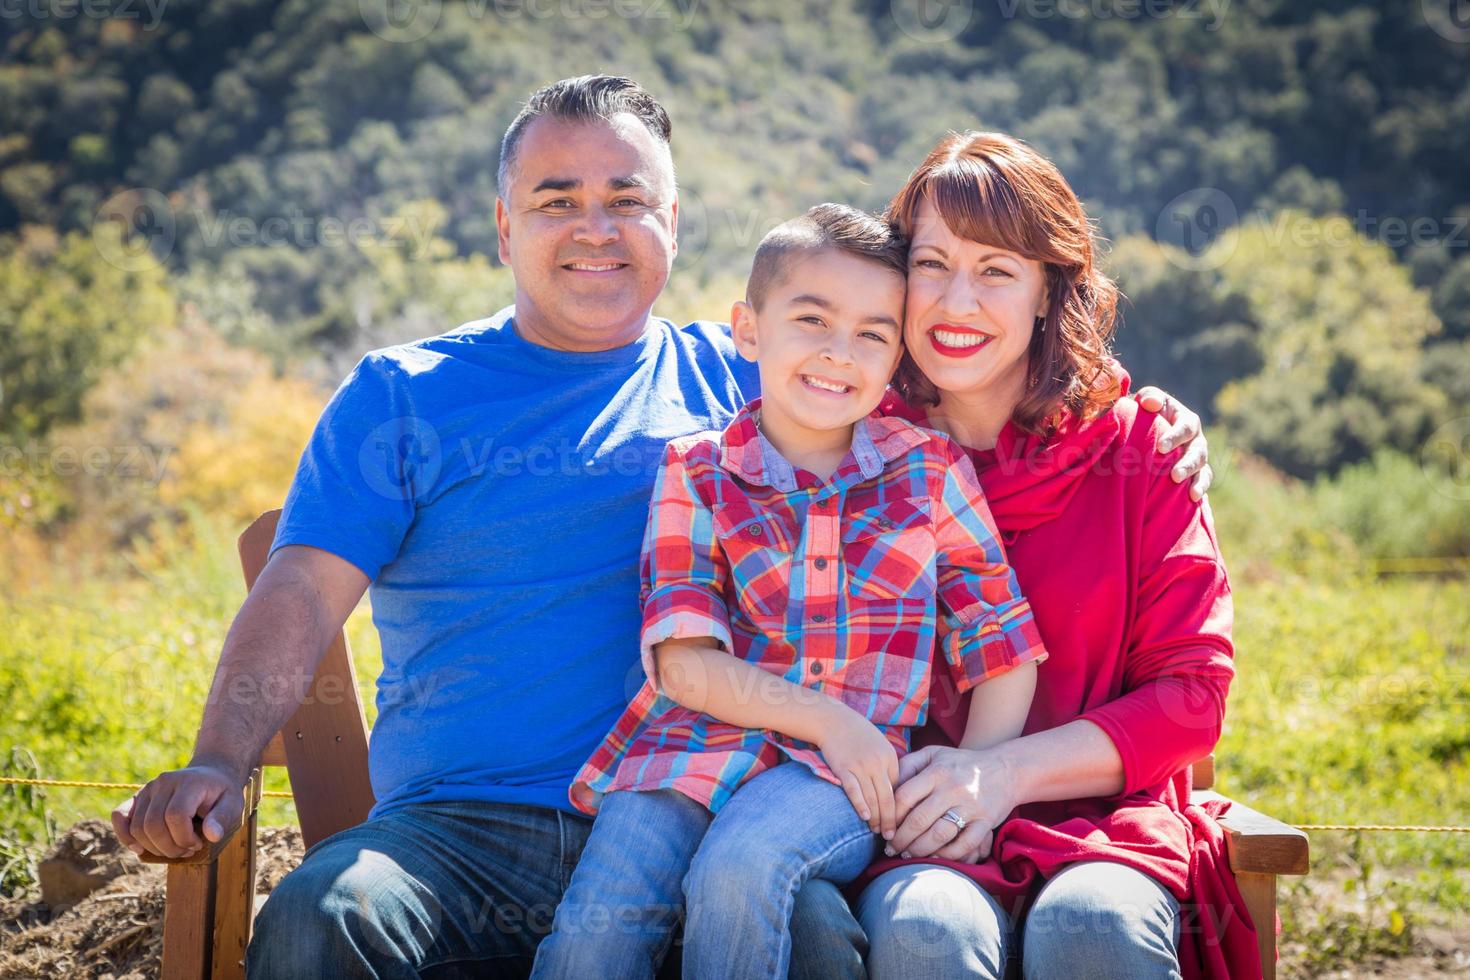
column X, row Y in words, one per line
column 876, row 441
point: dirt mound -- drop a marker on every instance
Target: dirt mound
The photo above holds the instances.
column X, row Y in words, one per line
column 99, row 913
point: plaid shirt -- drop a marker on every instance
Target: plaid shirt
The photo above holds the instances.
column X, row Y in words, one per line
column 831, row 585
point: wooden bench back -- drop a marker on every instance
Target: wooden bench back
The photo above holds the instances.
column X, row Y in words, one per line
column 324, row 744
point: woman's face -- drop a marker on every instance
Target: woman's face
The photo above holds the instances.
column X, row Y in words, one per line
column 971, row 311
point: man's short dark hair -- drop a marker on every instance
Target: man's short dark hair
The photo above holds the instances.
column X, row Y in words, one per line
column 583, row 99
column 826, row 226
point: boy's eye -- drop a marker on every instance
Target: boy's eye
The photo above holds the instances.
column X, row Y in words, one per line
column 876, row 336
column 812, row 319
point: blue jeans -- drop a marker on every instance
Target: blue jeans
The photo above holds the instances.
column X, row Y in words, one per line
column 1092, row 919
column 466, row 889
column 654, row 853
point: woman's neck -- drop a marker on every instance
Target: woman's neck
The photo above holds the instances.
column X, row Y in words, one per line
column 973, row 419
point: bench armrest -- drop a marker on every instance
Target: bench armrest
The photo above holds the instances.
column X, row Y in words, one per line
column 1259, row 844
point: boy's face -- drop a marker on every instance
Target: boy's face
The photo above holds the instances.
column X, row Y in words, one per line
column 827, row 339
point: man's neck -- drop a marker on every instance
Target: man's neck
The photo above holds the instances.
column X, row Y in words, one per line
column 534, row 329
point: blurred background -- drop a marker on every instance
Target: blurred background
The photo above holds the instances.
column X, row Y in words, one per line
column 208, row 212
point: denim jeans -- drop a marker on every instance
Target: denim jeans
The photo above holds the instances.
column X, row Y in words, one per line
column 653, row 852
column 467, row 889
column 1092, row 919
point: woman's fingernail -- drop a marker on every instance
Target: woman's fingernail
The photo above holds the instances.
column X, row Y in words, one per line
column 888, row 851
column 905, row 855
column 888, row 835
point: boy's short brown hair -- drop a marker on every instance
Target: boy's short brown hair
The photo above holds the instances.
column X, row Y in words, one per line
column 826, row 226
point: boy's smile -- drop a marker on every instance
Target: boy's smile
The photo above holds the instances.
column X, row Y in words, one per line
column 827, row 339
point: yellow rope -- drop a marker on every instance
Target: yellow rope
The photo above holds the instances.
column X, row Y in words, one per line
column 82, row 784
column 1383, row 827
column 1386, row 828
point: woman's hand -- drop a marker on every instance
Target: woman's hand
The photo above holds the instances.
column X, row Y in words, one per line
column 977, row 785
column 1184, row 429
column 865, row 761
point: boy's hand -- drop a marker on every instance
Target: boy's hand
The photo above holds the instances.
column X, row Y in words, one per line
column 865, row 761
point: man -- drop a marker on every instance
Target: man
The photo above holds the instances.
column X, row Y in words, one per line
column 491, row 484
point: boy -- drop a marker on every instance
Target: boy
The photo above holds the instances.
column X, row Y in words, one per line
column 791, row 569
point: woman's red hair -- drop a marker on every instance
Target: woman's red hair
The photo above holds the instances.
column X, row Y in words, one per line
column 995, row 189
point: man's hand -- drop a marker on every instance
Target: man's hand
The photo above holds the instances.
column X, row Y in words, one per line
column 159, row 818
column 1184, row 428
column 865, row 761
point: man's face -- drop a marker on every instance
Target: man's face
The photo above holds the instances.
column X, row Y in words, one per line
column 587, row 225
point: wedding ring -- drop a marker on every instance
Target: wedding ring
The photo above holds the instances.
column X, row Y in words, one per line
column 954, row 818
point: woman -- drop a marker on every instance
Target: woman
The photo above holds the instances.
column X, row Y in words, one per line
column 1007, row 331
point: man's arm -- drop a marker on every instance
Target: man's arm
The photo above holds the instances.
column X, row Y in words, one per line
column 270, row 655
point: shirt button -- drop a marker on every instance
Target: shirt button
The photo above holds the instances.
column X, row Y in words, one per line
column 755, row 531
column 819, row 618
column 821, row 563
column 816, row 668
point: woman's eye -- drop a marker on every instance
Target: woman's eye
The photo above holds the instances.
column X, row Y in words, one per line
column 929, row 264
column 993, row 272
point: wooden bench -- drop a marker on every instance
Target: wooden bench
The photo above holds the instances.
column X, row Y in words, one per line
column 211, row 896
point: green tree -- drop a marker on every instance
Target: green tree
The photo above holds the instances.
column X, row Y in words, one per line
column 67, row 313
column 1340, row 331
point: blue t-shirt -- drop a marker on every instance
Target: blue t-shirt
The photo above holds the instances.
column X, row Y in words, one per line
column 496, row 493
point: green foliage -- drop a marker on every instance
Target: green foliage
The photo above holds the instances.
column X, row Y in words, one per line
column 1340, row 330
column 68, row 311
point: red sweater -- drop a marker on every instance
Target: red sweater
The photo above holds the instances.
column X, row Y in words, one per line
column 1126, row 581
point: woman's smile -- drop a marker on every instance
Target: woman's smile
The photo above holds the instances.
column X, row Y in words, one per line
column 953, row 341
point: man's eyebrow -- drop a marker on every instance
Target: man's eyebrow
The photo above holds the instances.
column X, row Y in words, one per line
column 557, row 184
column 573, row 183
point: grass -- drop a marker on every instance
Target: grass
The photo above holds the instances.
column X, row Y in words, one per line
column 1350, row 706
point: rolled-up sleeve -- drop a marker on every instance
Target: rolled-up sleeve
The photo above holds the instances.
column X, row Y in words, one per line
column 991, row 627
column 684, row 570
column 1179, row 656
